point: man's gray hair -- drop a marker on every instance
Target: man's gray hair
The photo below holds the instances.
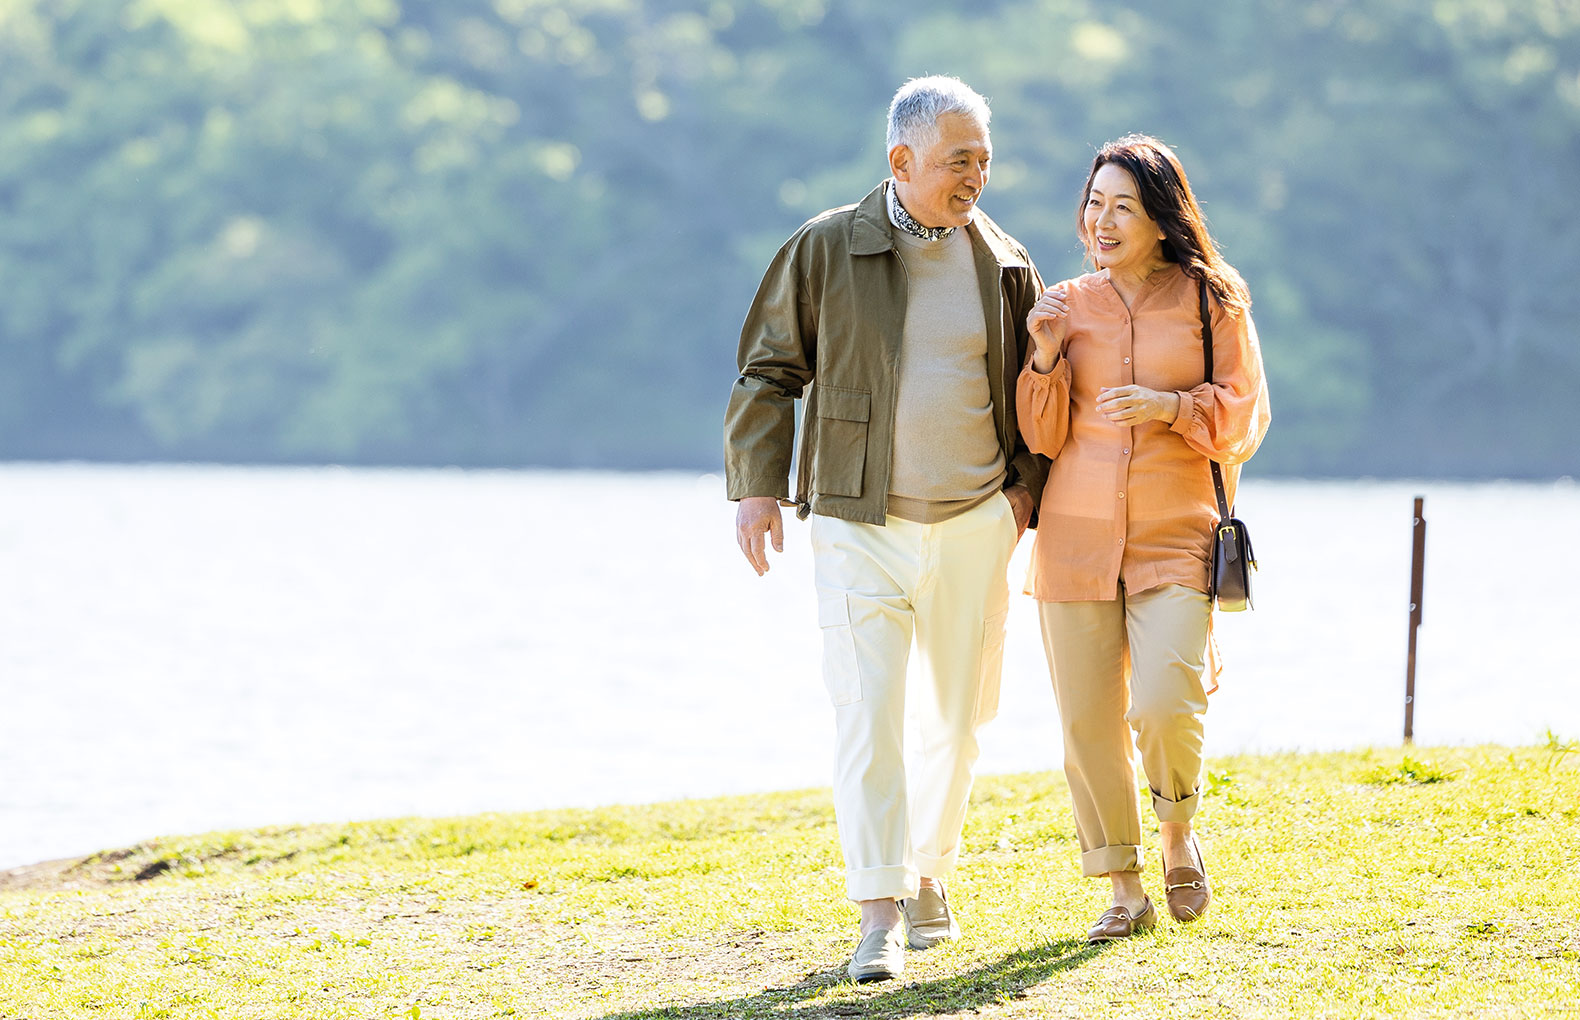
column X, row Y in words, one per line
column 914, row 113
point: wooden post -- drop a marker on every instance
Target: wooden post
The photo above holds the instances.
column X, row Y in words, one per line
column 1417, row 579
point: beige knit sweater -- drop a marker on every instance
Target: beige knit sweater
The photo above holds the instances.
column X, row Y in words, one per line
column 946, row 452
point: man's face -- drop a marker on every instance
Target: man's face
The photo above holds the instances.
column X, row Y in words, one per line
column 940, row 187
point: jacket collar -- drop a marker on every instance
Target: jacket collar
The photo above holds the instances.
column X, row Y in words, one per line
column 869, row 231
column 872, row 233
column 1004, row 251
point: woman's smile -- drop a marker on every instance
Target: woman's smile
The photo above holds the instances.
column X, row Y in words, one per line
column 1122, row 237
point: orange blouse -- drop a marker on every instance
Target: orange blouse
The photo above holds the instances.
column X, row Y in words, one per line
column 1136, row 503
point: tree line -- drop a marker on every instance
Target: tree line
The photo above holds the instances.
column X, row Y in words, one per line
column 524, row 232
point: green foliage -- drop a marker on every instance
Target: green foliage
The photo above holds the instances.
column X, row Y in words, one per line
column 525, row 231
column 1408, row 771
column 1558, row 750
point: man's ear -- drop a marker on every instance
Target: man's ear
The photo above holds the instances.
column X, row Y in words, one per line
column 900, row 162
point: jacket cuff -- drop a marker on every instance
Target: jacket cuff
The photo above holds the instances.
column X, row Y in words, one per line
column 759, row 485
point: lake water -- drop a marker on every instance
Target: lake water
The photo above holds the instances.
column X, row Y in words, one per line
column 192, row 648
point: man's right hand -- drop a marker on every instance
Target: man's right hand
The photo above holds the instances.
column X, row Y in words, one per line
column 755, row 517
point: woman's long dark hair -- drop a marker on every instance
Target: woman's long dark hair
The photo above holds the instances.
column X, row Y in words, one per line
column 1167, row 198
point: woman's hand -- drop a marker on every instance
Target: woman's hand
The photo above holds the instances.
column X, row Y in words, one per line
column 1048, row 323
column 1132, row 405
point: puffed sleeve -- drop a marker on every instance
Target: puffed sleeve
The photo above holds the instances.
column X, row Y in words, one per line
column 1225, row 418
column 1042, row 403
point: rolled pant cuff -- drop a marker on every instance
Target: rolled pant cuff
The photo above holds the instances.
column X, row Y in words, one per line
column 935, row 867
column 1110, row 858
column 1175, row 810
column 893, row 883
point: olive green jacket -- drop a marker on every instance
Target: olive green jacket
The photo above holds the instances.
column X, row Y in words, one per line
column 830, row 312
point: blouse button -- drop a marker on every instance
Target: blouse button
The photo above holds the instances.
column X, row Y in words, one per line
column 1127, row 451
column 1121, row 495
column 1127, row 361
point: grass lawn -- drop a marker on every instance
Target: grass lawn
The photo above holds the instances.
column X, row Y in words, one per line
column 1441, row 882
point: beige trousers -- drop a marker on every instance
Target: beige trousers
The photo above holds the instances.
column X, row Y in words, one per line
column 878, row 587
column 1131, row 663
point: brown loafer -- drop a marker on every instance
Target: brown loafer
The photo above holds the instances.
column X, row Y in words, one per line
column 1117, row 923
column 1187, row 890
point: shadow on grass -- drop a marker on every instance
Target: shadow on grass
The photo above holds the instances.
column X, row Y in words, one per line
column 992, row 983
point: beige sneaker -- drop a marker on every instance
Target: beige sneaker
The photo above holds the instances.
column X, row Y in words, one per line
column 879, row 957
column 928, row 918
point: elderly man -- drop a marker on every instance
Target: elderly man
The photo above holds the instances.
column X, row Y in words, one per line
column 905, row 314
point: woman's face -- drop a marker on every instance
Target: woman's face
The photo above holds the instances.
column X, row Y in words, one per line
column 1120, row 235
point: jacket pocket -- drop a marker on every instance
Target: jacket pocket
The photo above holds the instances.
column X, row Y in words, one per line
column 840, row 459
column 841, row 670
column 991, row 676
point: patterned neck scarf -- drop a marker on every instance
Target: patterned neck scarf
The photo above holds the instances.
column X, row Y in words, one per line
column 905, row 222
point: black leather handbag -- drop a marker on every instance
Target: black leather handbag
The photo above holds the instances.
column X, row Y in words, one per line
column 1232, row 556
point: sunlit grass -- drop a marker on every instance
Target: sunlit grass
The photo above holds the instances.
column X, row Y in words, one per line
column 1441, row 883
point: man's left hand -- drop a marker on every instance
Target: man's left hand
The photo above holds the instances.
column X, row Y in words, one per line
column 1020, row 502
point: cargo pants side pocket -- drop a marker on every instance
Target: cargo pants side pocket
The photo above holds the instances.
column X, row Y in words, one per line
column 841, row 670
column 991, row 677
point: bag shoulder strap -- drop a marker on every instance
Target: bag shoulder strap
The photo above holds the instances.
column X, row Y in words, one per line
column 1206, row 350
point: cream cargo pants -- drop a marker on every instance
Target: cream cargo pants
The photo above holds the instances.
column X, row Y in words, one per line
column 877, row 587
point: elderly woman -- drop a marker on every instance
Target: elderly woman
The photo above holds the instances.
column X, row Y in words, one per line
column 1115, row 393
